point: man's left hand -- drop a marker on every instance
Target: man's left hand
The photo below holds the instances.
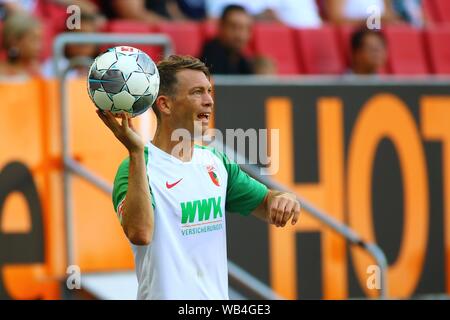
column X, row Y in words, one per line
column 282, row 207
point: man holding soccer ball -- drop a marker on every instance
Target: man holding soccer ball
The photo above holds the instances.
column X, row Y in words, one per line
column 172, row 205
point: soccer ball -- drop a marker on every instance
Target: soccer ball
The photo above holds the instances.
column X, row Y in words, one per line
column 123, row 79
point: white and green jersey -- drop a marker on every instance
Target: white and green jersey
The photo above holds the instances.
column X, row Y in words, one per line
column 187, row 258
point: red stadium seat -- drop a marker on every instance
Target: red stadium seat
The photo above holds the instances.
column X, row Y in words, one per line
column 127, row 26
column 319, row 51
column 186, row 36
column 438, row 44
column 344, row 35
column 406, row 54
column 56, row 13
column 209, row 29
column 276, row 41
column 430, row 12
column 442, row 8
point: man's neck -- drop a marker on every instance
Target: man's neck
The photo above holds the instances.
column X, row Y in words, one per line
column 162, row 140
column 362, row 70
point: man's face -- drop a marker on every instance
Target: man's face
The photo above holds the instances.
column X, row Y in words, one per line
column 192, row 102
column 30, row 45
column 372, row 54
column 235, row 31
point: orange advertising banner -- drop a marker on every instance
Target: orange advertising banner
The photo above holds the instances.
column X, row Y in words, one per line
column 376, row 158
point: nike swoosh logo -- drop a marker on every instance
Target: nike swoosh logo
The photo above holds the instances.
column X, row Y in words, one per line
column 171, row 185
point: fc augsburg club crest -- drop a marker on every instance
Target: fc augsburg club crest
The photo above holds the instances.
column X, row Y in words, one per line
column 212, row 174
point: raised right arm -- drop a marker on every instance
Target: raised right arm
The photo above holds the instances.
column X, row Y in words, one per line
column 132, row 190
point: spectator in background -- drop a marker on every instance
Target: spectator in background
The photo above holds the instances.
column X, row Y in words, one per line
column 410, row 11
column 151, row 11
column 294, row 13
column 223, row 55
column 264, row 66
column 369, row 54
column 22, row 41
column 88, row 23
column 357, row 12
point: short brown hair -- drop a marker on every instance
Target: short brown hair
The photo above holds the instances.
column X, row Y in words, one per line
column 16, row 26
column 357, row 37
column 168, row 69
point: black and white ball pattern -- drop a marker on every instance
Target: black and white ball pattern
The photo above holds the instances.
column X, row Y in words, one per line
column 123, row 79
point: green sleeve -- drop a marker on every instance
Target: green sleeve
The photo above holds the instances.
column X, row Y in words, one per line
column 120, row 186
column 244, row 193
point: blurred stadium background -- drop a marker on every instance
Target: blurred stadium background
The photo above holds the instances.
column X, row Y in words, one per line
column 367, row 150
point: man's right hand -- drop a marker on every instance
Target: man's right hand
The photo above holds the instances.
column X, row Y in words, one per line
column 124, row 132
